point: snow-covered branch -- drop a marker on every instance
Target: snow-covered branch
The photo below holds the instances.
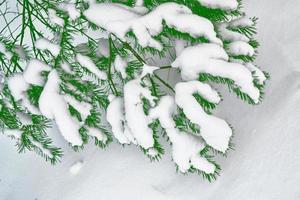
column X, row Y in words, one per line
column 93, row 70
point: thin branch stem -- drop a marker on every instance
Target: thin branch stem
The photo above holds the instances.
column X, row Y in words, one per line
column 153, row 84
column 8, row 24
column 164, row 82
column 4, row 17
column 127, row 46
column 2, row 60
column 114, row 90
column 165, row 67
column 23, row 24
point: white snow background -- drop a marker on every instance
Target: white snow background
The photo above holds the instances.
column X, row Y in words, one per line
column 264, row 166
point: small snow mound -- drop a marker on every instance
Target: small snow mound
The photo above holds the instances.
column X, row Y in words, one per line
column 221, row 4
column 241, row 22
column 76, row 167
column 152, row 152
column 44, row 44
column 54, row 18
column 70, row 9
column 240, row 48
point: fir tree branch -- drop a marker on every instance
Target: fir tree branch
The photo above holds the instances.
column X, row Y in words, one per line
column 91, row 91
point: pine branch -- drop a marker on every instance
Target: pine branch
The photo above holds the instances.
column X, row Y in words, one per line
column 85, row 87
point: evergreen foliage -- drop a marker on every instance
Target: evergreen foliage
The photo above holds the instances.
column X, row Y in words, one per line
column 23, row 23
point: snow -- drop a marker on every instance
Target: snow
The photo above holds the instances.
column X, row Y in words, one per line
column 31, row 108
column 241, row 22
column 54, row 18
column 120, row 66
column 215, row 131
column 76, row 167
column 45, row 44
column 97, row 133
column 32, row 73
column 17, row 86
column 136, row 119
column 179, row 46
column 152, row 152
column 229, row 35
column 19, row 83
column 263, row 166
column 89, row 65
column 212, row 59
column 4, row 51
column 185, row 147
column 40, row 146
column 2, row 79
column 257, row 73
column 240, row 48
column 53, row 106
column 104, row 47
column 24, row 118
column 139, row 2
column 70, row 9
column 82, row 107
column 115, row 117
column 2, row 47
column 222, row 4
column 119, row 19
column 14, row 133
column 147, row 69
column 66, row 67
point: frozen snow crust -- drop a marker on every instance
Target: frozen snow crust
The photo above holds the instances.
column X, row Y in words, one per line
column 109, row 87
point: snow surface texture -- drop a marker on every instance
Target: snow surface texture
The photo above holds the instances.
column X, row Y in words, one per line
column 264, row 166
